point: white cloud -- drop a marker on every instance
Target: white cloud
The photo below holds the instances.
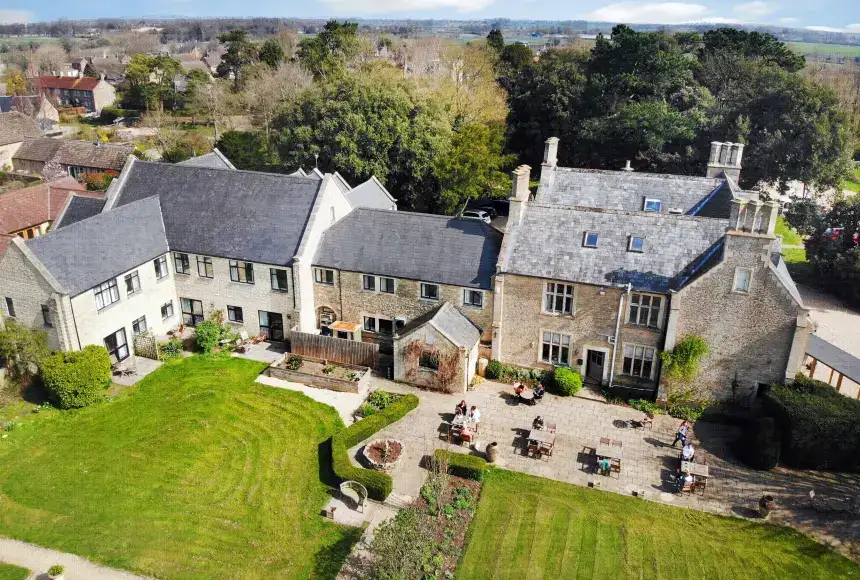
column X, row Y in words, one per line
column 719, row 20
column 649, row 13
column 789, row 20
column 853, row 27
column 15, row 16
column 756, row 8
column 825, row 29
column 384, row 6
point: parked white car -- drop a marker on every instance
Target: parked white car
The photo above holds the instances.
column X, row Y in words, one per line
column 476, row 214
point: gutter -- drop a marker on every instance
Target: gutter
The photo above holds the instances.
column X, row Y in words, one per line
column 628, row 288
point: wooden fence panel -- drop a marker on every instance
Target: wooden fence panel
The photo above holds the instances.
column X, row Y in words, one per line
column 365, row 354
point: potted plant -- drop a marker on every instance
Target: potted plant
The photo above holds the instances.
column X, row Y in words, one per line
column 766, row 504
column 55, row 572
column 492, row 452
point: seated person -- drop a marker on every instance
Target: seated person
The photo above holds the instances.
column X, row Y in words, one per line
column 539, row 391
column 687, row 453
column 519, row 388
column 458, row 412
column 537, row 423
column 475, row 414
column 603, row 465
column 461, row 408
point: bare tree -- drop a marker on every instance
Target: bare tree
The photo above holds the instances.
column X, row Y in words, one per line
column 211, row 102
column 129, row 43
column 267, row 90
column 49, row 59
column 289, row 40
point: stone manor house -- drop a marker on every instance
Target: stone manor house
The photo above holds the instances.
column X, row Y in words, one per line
column 597, row 270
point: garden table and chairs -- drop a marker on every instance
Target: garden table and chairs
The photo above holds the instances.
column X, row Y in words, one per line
column 612, row 451
column 699, row 471
column 540, row 442
column 462, row 428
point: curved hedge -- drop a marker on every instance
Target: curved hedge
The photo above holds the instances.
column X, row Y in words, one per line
column 462, row 464
column 762, row 446
column 77, row 378
column 378, row 484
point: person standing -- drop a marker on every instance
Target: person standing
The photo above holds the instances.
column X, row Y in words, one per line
column 681, row 435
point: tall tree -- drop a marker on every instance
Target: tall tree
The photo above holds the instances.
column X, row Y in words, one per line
column 495, row 41
column 327, row 53
column 752, row 45
column 272, row 53
column 240, row 53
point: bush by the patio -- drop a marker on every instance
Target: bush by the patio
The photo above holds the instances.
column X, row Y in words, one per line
column 820, row 429
column 462, row 465
column 761, row 446
column 378, row 484
column 208, row 334
column 566, row 382
column 497, row 371
column 77, row 378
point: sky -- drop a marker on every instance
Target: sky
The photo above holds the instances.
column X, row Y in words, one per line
column 826, row 15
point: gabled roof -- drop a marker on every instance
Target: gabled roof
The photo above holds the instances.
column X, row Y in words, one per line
column 78, row 208
column 245, row 215
column 42, row 149
column 29, row 206
column 16, row 127
column 415, row 246
column 549, row 244
column 213, row 160
column 371, row 194
column 834, row 357
column 97, row 249
column 76, row 83
column 449, row 321
column 98, row 155
column 622, row 190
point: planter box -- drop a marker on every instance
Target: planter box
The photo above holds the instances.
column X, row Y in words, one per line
column 279, row 370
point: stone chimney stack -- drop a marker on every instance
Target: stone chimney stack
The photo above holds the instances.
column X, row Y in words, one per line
column 519, row 194
column 769, row 213
column 725, row 159
column 753, row 216
column 550, row 152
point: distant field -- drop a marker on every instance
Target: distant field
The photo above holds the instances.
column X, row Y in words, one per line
column 848, row 50
column 16, row 40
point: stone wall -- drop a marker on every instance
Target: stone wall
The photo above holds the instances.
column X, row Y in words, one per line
column 351, row 303
column 29, row 290
column 750, row 335
column 331, row 384
column 427, row 377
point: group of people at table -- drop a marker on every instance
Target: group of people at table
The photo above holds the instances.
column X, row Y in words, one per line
column 686, row 479
column 527, row 395
column 466, row 421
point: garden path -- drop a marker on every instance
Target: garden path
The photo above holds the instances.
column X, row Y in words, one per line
column 39, row 560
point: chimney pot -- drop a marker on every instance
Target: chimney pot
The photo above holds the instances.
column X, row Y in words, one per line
column 725, row 159
column 752, row 216
column 736, row 214
column 520, row 183
column 550, row 152
column 767, row 222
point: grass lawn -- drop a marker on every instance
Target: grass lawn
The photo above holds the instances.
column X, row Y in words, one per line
column 853, row 184
column 10, row 572
column 798, row 265
column 531, row 528
column 847, row 50
column 789, row 236
column 197, row 472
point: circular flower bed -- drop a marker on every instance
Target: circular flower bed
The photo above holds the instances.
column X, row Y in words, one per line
column 383, row 454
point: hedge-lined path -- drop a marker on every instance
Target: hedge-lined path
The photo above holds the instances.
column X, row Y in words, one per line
column 39, row 560
column 733, row 489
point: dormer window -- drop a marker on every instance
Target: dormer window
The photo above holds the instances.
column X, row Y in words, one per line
column 637, row 244
column 590, row 240
column 654, row 205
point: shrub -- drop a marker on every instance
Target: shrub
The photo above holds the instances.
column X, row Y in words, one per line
column 804, row 384
column 495, row 370
column 98, row 181
column 647, row 406
column 379, row 399
column 110, row 114
column 502, row 372
column 22, row 349
column 78, row 378
column 566, row 382
column 761, row 444
column 682, row 362
column 819, row 431
column 378, row 484
column 170, row 350
column 462, row 465
column 366, row 410
column 294, row 362
column 688, row 411
column 208, row 334
column 56, row 570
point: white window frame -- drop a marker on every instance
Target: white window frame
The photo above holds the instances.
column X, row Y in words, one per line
column 559, row 344
column 650, row 308
column 555, row 295
column 738, row 271
column 585, row 237
column 637, row 356
column 426, row 296
column 162, row 270
column 367, row 327
column 375, row 326
column 630, row 247
column 468, row 298
column 321, row 276
column 651, row 200
column 9, row 306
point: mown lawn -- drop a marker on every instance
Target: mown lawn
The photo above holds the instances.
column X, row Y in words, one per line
column 789, row 236
column 10, row 572
column 198, row 472
column 853, row 184
column 530, row 528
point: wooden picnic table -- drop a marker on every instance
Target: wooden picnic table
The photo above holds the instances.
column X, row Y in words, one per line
column 697, row 469
column 611, row 451
column 542, row 436
column 462, row 421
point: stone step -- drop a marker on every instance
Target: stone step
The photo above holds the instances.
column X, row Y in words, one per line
column 398, row 501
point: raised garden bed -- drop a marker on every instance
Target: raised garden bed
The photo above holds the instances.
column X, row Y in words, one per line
column 383, row 454
column 319, row 373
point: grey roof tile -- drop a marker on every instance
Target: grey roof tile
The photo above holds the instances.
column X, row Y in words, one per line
column 42, row 149
column 245, row 215
column 371, row 194
column 414, row 246
column 99, row 248
column 213, row 160
column 80, row 208
column 448, row 320
column 549, row 244
column 15, row 127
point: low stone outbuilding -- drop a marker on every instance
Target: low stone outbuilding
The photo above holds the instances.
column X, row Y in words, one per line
column 437, row 350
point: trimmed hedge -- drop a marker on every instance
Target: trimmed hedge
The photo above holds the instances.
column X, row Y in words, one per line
column 463, row 465
column 761, row 444
column 77, row 378
column 378, row 484
column 566, row 382
column 819, row 430
column 497, row 371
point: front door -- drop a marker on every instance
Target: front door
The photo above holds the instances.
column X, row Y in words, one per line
column 272, row 325
column 594, row 366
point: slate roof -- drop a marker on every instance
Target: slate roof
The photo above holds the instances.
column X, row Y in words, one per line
column 549, row 244
column 623, row 190
column 244, row 215
column 42, row 149
column 414, row 246
column 834, row 357
column 785, row 277
column 79, row 208
column 448, row 320
column 97, row 249
column 98, row 155
column 16, row 127
column 213, row 160
column 371, row 194
column 29, row 206
column 76, row 83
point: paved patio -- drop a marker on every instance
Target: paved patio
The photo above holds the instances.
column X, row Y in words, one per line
column 140, row 367
column 733, row 489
